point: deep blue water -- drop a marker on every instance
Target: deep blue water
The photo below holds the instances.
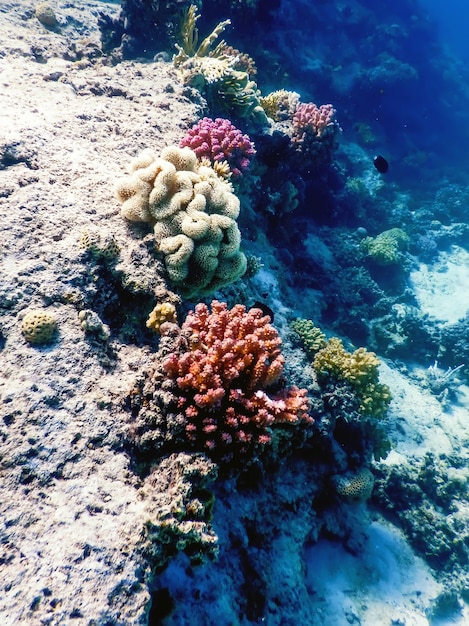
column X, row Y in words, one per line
column 452, row 19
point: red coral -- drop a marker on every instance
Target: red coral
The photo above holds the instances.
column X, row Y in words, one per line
column 315, row 130
column 223, row 379
column 218, row 140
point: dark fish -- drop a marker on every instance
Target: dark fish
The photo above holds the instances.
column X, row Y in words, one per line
column 381, row 164
column 264, row 308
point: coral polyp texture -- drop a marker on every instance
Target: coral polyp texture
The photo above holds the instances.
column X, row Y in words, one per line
column 219, row 140
column 38, row 326
column 315, row 130
column 354, row 486
column 193, row 213
column 312, row 337
column 229, row 381
column 360, row 370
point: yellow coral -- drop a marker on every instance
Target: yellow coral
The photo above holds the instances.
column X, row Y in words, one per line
column 386, row 248
column 99, row 246
column 38, row 326
column 360, row 369
column 163, row 312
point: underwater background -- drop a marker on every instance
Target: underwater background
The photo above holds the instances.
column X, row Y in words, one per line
column 234, row 293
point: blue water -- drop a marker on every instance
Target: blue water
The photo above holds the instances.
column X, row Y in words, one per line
column 452, row 21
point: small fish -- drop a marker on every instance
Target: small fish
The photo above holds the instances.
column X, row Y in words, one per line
column 381, row 164
column 264, row 308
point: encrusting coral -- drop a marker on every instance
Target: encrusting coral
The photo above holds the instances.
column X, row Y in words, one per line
column 360, row 370
column 193, row 213
column 162, row 312
column 99, row 246
column 354, row 486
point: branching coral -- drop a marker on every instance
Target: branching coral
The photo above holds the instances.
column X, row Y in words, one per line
column 360, row 370
column 315, row 131
column 312, row 337
column 214, row 70
column 193, row 212
column 220, row 141
column 224, row 380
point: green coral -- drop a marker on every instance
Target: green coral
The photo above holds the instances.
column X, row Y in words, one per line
column 312, row 337
column 387, row 247
column 360, row 370
column 213, row 71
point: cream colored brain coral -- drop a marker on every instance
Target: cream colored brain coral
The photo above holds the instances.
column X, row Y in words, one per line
column 38, row 326
column 193, row 212
column 354, row 486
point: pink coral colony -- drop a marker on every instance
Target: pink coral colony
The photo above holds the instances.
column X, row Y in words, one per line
column 225, row 377
column 218, row 140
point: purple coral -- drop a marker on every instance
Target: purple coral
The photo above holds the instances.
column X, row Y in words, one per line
column 218, row 140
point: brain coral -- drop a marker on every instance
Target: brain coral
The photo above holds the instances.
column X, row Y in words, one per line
column 38, row 326
column 193, row 213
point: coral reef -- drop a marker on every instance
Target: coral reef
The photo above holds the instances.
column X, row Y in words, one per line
column 99, row 246
column 143, row 27
column 92, row 324
column 193, row 213
column 181, row 510
column 429, row 498
column 387, row 247
column 218, row 141
column 280, row 105
column 224, row 378
column 213, row 71
column 360, row 370
column 38, row 326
